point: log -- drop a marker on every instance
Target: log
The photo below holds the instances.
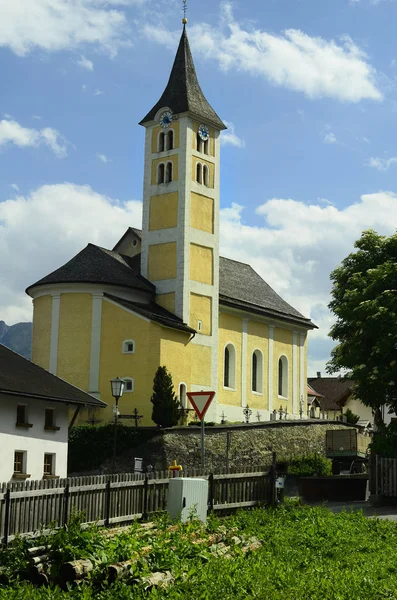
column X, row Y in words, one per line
column 37, row 560
column 120, row 570
column 75, row 570
column 38, row 550
column 157, row 579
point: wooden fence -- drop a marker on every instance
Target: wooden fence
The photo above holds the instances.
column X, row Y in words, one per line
column 26, row 508
column 384, row 477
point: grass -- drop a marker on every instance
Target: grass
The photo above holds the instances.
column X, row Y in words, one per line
column 305, row 553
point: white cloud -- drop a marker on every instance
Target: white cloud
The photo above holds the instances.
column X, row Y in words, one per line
column 330, row 138
column 11, row 132
column 14, row 187
column 85, row 63
column 53, row 25
column 382, row 164
column 229, row 137
column 36, row 117
column 98, row 92
column 293, row 59
column 40, row 232
column 103, row 158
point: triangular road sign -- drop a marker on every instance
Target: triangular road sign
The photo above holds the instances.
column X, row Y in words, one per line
column 200, row 402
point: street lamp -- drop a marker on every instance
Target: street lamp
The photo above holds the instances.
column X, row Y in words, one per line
column 117, row 385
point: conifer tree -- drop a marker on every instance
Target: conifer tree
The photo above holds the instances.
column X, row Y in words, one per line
column 166, row 407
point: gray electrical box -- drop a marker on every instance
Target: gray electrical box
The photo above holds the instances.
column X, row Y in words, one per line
column 188, row 496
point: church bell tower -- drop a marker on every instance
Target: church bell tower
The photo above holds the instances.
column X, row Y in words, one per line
column 180, row 241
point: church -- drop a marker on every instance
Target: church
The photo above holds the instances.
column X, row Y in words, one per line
column 164, row 297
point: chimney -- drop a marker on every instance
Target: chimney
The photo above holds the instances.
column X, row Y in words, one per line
column 318, row 374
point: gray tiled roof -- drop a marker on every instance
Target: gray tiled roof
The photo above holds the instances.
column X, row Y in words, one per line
column 154, row 312
column 99, row 265
column 183, row 92
column 20, row 377
column 242, row 287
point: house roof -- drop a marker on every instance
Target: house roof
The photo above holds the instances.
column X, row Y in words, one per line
column 154, row 312
column 21, row 377
column 312, row 392
column 183, row 92
column 334, row 389
column 99, row 265
column 137, row 232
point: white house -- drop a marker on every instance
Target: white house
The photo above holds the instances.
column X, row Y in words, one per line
column 34, row 421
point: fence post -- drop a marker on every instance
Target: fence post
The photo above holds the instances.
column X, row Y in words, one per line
column 7, row 498
column 272, row 478
column 107, row 503
column 145, row 497
column 211, row 492
column 66, row 505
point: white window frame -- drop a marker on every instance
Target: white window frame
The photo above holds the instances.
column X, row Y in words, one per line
column 259, row 371
column 232, row 367
column 126, row 379
column 284, row 382
column 125, row 343
column 24, row 462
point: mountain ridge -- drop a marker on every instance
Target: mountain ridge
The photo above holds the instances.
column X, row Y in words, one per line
column 17, row 337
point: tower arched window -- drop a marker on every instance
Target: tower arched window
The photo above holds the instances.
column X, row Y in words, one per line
column 206, row 148
column 182, row 395
column 199, row 173
column 170, row 140
column 257, row 372
column 168, row 174
column 161, row 173
column 161, row 142
column 206, row 175
column 283, row 377
column 229, row 367
column 199, row 143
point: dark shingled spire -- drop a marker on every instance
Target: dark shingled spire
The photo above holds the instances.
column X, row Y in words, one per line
column 183, row 92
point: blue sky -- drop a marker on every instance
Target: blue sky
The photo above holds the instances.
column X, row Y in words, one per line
column 307, row 87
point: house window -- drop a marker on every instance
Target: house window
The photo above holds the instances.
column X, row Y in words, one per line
column 161, row 173
column 170, row 140
column 128, row 347
column 283, row 377
column 19, row 462
column 161, row 144
column 182, row 395
column 257, row 372
column 129, row 384
column 49, row 418
column 168, row 175
column 21, row 414
column 49, row 464
column 206, row 176
column 199, row 173
column 229, row 372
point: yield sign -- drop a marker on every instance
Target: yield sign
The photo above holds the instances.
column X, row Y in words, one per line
column 200, row 402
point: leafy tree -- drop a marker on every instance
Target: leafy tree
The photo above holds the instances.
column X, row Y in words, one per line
column 165, row 404
column 351, row 418
column 364, row 300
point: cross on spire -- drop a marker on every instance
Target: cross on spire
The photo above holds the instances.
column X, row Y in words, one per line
column 184, row 20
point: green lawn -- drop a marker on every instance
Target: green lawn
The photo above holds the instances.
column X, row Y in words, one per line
column 304, row 553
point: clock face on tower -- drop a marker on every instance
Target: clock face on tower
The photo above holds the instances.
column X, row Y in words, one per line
column 165, row 119
column 204, row 132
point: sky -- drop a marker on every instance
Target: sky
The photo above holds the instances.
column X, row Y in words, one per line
column 308, row 89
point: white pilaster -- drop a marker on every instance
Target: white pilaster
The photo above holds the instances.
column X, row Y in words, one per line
column 270, row 371
column 295, row 383
column 302, row 368
column 244, row 350
column 56, row 305
column 96, row 326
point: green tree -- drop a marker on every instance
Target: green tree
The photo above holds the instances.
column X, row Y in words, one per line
column 364, row 300
column 351, row 418
column 166, row 407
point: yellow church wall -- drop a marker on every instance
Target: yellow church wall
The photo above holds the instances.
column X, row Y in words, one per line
column 201, row 363
column 230, row 331
column 74, row 339
column 157, row 161
column 258, row 339
column 283, row 345
column 201, row 310
column 167, row 301
column 42, row 314
column 162, row 261
column 202, row 213
column 196, row 160
column 163, row 211
column 195, row 126
column 201, row 264
column 155, row 136
column 118, row 325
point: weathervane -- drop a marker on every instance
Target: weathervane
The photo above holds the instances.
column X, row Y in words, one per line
column 184, row 20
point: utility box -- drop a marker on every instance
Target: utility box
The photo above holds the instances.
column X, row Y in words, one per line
column 188, row 496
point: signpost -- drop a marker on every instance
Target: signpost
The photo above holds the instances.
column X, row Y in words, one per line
column 201, row 402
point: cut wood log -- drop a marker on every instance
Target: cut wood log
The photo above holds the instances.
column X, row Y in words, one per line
column 120, row 570
column 37, row 560
column 158, row 580
column 38, row 550
column 75, row 570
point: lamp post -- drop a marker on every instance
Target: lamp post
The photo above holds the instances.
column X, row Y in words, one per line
column 117, row 385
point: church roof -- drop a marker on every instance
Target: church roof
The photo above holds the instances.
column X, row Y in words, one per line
column 20, row 377
column 99, row 265
column 154, row 312
column 183, row 92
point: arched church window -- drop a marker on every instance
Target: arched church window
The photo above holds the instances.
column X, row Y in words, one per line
column 229, row 369
column 182, row 395
column 199, row 173
column 161, row 173
column 170, row 140
column 206, row 147
column 206, row 175
column 199, row 143
column 168, row 175
column 283, row 377
column 257, row 372
column 161, row 142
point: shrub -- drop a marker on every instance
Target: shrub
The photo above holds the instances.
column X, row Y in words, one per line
column 384, row 443
column 351, row 418
column 310, row 464
column 166, row 408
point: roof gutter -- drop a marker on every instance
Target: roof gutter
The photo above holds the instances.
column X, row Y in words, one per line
column 98, row 403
